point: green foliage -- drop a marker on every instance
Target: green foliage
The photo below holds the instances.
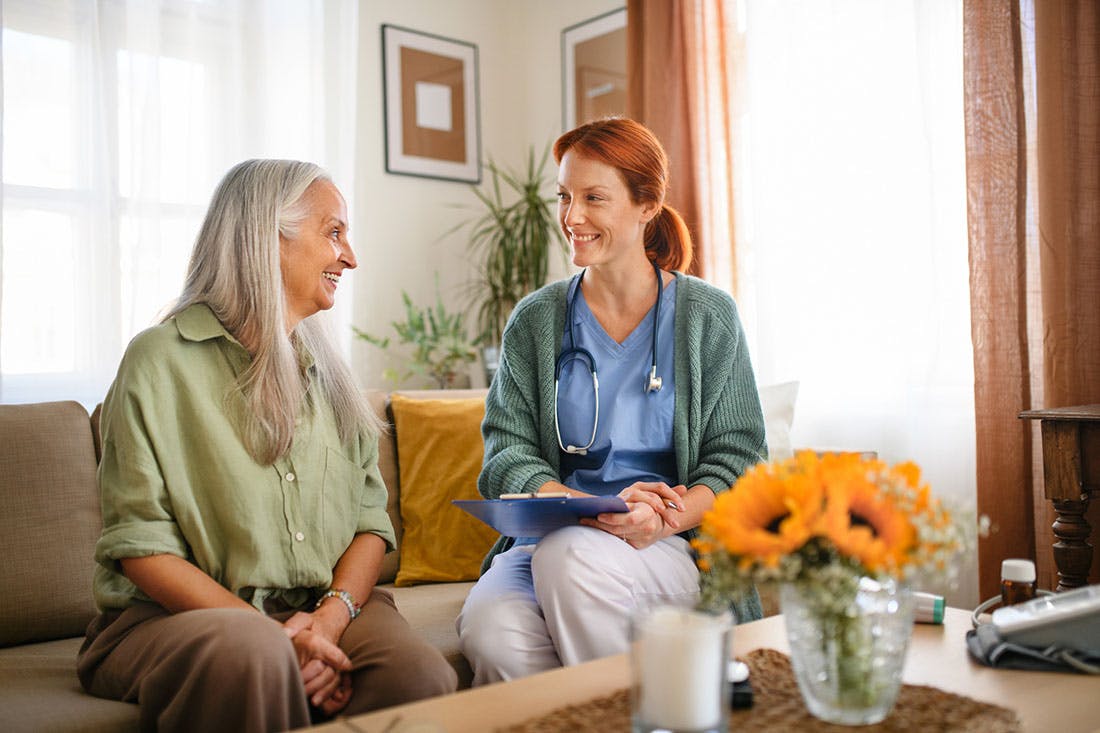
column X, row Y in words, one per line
column 438, row 340
column 514, row 238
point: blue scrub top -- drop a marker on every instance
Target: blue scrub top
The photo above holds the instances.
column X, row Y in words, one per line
column 634, row 435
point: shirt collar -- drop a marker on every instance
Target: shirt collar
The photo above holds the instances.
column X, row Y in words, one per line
column 197, row 322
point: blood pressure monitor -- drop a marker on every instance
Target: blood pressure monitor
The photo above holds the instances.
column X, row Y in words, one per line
column 1068, row 620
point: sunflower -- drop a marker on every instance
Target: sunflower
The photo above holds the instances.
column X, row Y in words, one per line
column 822, row 522
column 864, row 522
column 768, row 513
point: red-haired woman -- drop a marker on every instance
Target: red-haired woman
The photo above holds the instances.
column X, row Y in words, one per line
column 672, row 419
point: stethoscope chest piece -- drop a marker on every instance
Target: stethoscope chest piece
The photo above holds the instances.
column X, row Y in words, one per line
column 653, row 383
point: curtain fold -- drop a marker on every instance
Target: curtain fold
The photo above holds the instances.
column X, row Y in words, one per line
column 1033, row 190
column 680, row 85
column 996, row 172
column 1067, row 51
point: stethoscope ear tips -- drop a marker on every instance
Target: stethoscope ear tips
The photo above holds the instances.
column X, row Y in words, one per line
column 574, row 450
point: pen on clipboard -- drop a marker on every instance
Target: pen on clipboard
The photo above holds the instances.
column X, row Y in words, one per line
column 545, row 495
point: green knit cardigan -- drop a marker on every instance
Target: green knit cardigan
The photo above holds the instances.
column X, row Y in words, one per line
column 717, row 428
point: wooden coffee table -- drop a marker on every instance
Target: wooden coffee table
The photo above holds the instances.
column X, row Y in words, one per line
column 1044, row 701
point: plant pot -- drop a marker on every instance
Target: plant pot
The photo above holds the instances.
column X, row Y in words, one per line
column 848, row 656
column 490, row 358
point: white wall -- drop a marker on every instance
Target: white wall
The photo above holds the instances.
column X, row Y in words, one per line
column 398, row 221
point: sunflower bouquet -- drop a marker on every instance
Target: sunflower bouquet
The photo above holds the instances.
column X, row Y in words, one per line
column 825, row 522
column 828, row 529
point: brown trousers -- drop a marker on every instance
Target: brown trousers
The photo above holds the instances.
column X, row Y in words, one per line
column 234, row 670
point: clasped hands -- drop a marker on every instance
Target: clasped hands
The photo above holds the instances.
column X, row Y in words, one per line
column 654, row 509
column 325, row 668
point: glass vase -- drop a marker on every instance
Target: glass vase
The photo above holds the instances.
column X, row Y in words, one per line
column 848, row 652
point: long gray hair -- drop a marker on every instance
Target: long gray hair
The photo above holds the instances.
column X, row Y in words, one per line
column 234, row 270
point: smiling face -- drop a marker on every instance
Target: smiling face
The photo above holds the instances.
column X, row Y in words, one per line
column 314, row 258
column 596, row 213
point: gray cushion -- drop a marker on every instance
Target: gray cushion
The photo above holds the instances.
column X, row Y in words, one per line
column 39, row 691
column 431, row 609
column 387, row 466
column 50, row 521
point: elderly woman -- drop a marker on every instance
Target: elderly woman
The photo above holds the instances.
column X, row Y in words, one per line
column 673, row 419
column 244, row 517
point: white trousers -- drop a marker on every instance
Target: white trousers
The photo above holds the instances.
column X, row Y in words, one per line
column 567, row 600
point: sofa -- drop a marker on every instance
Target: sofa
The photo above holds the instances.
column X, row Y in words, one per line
column 50, row 522
column 430, row 452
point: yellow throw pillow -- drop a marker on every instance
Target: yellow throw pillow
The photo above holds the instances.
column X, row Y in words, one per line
column 439, row 452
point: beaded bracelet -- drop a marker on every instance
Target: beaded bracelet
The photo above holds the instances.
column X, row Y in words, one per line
column 343, row 595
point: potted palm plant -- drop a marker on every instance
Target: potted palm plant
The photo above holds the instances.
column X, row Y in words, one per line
column 513, row 238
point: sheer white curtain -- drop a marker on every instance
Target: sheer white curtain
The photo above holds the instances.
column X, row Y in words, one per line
column 852, row 242
column 120, row 116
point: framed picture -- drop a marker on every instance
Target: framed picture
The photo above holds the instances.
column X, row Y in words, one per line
column 430, row 98
column 593, row 62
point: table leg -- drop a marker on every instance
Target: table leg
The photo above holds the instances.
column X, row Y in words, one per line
column 1072, row 551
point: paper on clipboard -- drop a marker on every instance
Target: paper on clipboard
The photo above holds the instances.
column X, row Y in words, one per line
column 538, row 516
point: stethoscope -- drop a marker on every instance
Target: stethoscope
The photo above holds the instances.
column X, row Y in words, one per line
column 653, row 382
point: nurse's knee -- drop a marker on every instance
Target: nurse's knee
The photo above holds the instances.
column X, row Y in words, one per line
column 562, row 554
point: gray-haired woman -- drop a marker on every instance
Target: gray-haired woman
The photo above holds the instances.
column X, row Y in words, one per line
column 244, row 518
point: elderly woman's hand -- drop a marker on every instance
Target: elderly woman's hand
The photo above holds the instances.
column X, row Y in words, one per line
column 654, row 509
column 323, row 664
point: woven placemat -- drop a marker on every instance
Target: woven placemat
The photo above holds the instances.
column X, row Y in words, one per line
column 778, row 706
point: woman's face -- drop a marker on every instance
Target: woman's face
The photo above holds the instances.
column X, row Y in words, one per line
column 595, row 211
column 313, row 260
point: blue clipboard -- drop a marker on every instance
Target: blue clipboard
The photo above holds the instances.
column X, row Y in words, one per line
column 539, row 516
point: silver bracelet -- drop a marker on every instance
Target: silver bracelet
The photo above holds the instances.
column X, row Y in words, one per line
column 343, row 595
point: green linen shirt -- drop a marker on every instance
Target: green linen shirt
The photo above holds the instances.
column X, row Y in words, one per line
column 175, row 477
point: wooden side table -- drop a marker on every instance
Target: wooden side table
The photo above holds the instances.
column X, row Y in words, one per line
column 1071, row 476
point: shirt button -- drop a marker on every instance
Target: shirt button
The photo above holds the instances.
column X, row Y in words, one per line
column 299, row 536
column 290, row 476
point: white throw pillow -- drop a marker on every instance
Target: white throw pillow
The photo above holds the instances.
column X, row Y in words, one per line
column 777, row 402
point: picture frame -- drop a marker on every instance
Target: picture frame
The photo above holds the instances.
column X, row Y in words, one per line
column 430, row 102
column 593, row 82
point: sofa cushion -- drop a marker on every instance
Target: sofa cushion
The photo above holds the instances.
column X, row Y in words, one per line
column 387, row 466
column 39, row 691
column 439, row 452
column 777, row 403
column 50, row 521
column 432, row 609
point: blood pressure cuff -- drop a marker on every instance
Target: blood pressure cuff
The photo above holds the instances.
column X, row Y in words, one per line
column 988, row 647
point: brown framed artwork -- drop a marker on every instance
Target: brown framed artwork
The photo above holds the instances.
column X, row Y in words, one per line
column 593, row 62
column 430, row 101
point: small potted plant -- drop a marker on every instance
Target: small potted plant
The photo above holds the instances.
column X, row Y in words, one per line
column 513, row 239
column 440, row 346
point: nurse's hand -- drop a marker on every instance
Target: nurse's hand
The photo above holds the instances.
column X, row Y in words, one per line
column 653, row 514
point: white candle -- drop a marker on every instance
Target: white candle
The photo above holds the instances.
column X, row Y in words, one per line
column 680, row 665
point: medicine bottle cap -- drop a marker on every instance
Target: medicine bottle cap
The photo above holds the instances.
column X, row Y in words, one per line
column 1018, row 571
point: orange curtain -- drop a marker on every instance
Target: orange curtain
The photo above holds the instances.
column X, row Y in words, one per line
column 679, row 84
column 1033, row 193
column 1067, row 51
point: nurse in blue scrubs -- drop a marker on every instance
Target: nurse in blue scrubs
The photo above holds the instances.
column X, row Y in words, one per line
column 629, row 379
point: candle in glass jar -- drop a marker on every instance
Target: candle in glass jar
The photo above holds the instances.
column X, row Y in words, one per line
column 680, row 667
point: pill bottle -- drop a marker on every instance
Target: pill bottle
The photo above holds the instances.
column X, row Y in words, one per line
column 1017, row 581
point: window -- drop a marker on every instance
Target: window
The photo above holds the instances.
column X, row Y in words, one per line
column 119, row 119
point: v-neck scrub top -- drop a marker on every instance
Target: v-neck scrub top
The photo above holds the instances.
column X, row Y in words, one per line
column 634, row 433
